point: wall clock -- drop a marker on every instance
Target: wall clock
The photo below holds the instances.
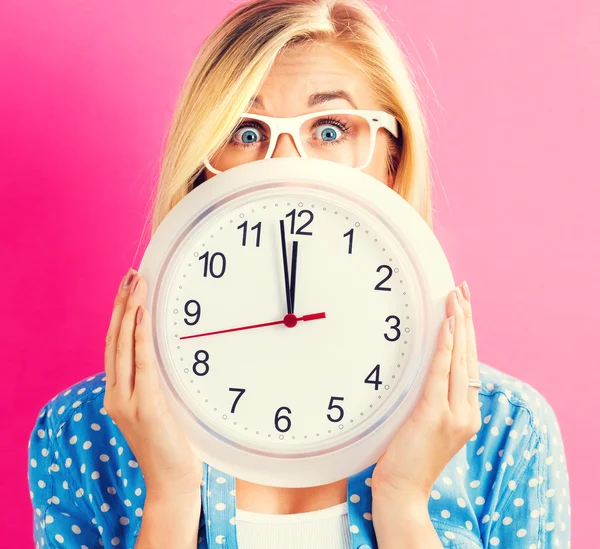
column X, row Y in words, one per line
column 296, row 305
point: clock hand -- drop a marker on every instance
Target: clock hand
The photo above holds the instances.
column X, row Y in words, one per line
column 293, row 274
column 285, row 267
column 289, row 320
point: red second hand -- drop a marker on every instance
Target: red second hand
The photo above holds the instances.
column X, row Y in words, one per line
column 289, row 320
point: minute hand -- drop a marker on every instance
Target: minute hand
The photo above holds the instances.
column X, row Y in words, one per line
column 286, row 275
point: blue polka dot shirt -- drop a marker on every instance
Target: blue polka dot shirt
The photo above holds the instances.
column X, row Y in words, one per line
column 507, row 487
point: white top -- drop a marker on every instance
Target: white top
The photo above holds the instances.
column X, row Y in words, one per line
column 323, row 529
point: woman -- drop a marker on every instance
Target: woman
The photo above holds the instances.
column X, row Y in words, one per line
column 109, row 466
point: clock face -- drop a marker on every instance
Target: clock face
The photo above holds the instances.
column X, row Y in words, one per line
column 259, row 382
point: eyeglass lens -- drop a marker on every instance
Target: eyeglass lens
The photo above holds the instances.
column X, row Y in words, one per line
column 342, row 138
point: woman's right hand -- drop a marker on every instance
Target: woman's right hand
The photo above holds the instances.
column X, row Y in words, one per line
column 134, row 400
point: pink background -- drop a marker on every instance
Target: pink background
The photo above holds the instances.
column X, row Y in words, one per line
column 512, row 93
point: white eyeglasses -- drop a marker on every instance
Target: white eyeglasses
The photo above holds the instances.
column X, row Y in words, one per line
column 343, row 136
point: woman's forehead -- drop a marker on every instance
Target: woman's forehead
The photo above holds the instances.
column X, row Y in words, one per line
column 312, row 78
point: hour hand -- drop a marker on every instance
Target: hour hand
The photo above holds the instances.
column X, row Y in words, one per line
column 293, row 274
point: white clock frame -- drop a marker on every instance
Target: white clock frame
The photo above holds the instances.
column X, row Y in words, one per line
column 320, row 463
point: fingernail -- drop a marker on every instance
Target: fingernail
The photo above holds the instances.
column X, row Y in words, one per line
column 458, row 297
column 139, row 314
column 134, row 285
column 451, row 325
column 465, row 291
column 127, row 278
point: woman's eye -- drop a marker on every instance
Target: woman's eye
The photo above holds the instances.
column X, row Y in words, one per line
column 248, row 135
column 327, row 132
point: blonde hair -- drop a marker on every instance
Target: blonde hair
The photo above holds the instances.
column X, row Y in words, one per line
column 231, row 65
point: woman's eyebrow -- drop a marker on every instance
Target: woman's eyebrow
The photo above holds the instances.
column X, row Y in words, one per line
column 317, row 98
column 322, row 97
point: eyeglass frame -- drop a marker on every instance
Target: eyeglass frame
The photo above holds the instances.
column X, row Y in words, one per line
column 291, row 125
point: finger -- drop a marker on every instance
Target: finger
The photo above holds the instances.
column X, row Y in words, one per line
column 112, row 335
column 124, row 368
column 459, row 377
column 472, row 360
column 146, row 375
column 435, row 389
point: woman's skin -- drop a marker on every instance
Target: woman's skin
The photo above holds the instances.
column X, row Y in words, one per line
column 443, row 421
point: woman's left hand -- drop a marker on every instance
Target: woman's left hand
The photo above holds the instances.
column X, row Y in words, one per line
column 445, row 418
